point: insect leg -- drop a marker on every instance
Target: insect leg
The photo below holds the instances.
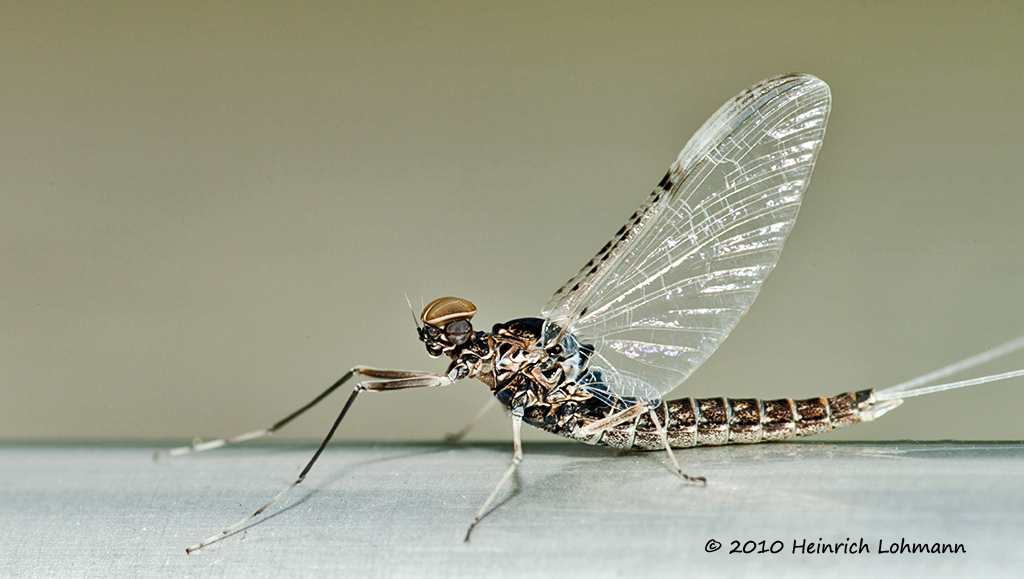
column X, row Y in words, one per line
column 457, row 436
column 391, row 376
column 663, row 431
column 517, row 457
column 198, row 445
column 611, row 421
column 388, row 380
column 399, row 379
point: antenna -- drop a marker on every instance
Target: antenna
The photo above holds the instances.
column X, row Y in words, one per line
column 415, row 319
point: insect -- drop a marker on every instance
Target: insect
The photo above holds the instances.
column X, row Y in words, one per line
column 651, row 306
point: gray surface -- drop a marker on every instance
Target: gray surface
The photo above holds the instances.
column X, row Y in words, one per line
column 401, row 510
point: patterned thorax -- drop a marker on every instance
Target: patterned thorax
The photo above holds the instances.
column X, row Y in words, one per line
column 554, row 386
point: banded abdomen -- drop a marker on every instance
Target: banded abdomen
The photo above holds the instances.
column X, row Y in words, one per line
column 693, row 422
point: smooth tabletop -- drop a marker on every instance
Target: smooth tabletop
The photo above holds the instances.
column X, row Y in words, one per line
column 402, row 510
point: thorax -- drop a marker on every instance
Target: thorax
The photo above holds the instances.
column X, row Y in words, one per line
column 550, row 384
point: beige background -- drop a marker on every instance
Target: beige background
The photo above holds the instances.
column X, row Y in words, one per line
column 208, row 211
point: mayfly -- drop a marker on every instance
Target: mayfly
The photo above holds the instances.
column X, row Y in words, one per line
column 651, row 306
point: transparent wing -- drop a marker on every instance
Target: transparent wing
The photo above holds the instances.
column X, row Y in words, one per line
column 668, row 288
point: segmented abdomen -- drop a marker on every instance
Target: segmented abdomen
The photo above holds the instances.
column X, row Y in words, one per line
column 712, row 421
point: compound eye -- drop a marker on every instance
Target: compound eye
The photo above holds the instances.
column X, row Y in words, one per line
column 443, row 311
column 458, row 332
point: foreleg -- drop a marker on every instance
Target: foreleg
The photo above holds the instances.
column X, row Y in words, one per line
column 385, row 380
column 388, row 380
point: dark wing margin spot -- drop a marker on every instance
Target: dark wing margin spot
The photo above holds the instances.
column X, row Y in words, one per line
column 666, row 181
